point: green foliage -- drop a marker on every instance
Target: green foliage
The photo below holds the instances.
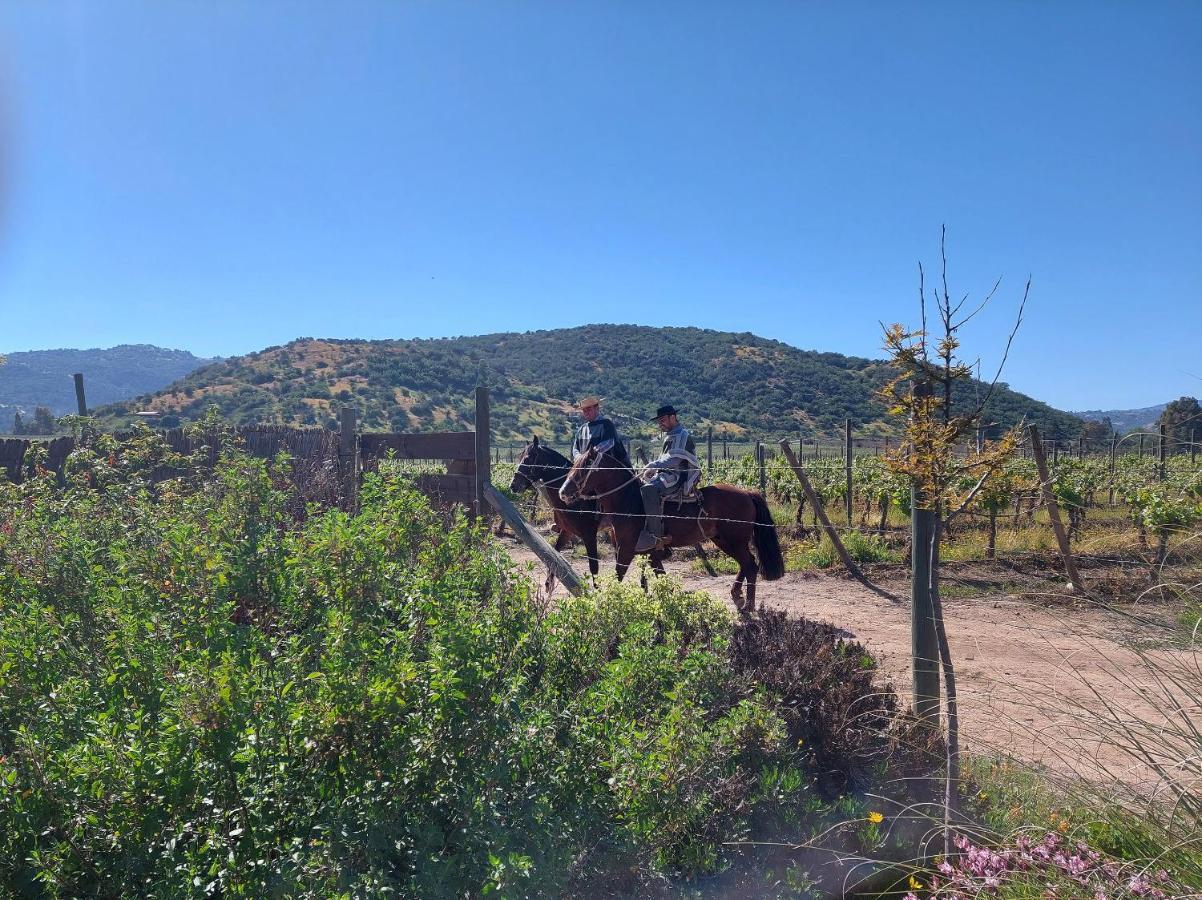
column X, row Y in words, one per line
column 733, row 382
column 1182, row 419
column 863, row 548
column 201, row 693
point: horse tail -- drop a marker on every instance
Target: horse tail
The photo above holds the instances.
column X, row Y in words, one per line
column 767, row 547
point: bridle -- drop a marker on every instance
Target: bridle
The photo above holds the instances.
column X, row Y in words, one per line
column 536, row 480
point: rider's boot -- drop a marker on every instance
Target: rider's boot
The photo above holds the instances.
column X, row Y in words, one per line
column 653, row 530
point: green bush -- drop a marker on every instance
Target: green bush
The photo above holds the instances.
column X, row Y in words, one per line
column 202, row 693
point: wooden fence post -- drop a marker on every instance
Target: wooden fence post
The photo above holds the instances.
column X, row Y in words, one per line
column 709, row 449
column 1160, row 451
column 79, row 398
column 1114, row 447
column 483, row 439
column 820, row 511
column 1049, row 500
column 1193, row 446
column 924, row 641
column 847, row 454
column 1141, row 445
column 558, row 566
column 348, row 457
column 759, row 458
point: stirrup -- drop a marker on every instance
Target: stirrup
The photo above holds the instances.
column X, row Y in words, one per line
column 647, row 541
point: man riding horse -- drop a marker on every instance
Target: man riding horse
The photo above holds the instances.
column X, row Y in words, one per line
column 674, row 472
column 597, row 431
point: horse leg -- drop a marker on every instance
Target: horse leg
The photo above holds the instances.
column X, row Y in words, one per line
column 549, row 585
column 594, row 558
column 657, row 562
column 625, row 555
column 736, row 590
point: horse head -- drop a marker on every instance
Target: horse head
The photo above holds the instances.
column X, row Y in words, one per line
column 538, row 465
column 524, row 470
column 593, row 475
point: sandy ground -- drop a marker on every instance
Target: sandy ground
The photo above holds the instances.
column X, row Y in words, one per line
column 1035, row 678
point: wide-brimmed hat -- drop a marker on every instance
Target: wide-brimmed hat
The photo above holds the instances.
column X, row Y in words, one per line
column 588, row 401
column 664, row 411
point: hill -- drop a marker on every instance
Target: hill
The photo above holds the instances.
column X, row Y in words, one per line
column 1125, row 420
column 43, row 377
column 738, row 383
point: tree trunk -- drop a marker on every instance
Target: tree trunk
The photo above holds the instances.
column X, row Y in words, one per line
column 884, row 514
column 991, row 547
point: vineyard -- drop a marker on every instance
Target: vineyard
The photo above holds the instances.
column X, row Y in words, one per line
column 1126, row 512
column 218, row 679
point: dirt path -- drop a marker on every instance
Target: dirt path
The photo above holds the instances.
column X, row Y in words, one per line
column 1027, row 673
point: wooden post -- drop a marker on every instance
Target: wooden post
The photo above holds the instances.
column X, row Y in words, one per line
column 79, row 398
column 348, row 457
column 1114, row 448
column 847, row 453
column 924, row 641
column 820, row 512
column 551, row 558
column 1049, row 500
column 1193, row 446
column 1141, row 445
column 1160, row 451
column 483, row 439
column 1055, row 454
column 759, row 458
column 709, row 449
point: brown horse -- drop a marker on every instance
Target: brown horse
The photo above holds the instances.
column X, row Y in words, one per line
column 729, row 516
column 542, row 469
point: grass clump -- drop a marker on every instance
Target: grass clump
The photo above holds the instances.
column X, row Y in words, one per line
column 863, row 548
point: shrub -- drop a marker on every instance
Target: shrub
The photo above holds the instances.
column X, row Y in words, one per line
column 203, row 692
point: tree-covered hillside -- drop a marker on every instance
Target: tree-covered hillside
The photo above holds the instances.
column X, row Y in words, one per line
column 738, row 383
column 43, row 377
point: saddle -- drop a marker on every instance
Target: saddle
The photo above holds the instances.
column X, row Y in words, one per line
column 680, row 500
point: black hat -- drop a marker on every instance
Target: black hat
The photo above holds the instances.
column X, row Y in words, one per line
column 664, row 411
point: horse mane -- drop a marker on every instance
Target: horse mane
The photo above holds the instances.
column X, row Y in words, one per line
column 629, row 496
column 556, row 458
column 551, row 458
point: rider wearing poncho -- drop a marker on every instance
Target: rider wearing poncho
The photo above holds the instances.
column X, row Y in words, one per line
column 598, row 432
column 675, row 471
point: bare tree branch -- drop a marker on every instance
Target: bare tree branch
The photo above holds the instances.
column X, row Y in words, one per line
column 1009, row 340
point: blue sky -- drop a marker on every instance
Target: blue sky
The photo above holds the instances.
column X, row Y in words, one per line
column 221, row 177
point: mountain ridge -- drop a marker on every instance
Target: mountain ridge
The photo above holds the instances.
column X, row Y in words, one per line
column 1125, row 419
column 737, row 382
column 32, row 378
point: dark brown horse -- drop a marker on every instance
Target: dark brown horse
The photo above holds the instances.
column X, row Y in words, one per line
column 542, row 469
column 730, row 516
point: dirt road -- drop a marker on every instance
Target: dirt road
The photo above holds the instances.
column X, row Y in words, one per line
column 1035, row 678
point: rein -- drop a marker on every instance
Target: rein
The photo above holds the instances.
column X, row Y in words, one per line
column 621, row 487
